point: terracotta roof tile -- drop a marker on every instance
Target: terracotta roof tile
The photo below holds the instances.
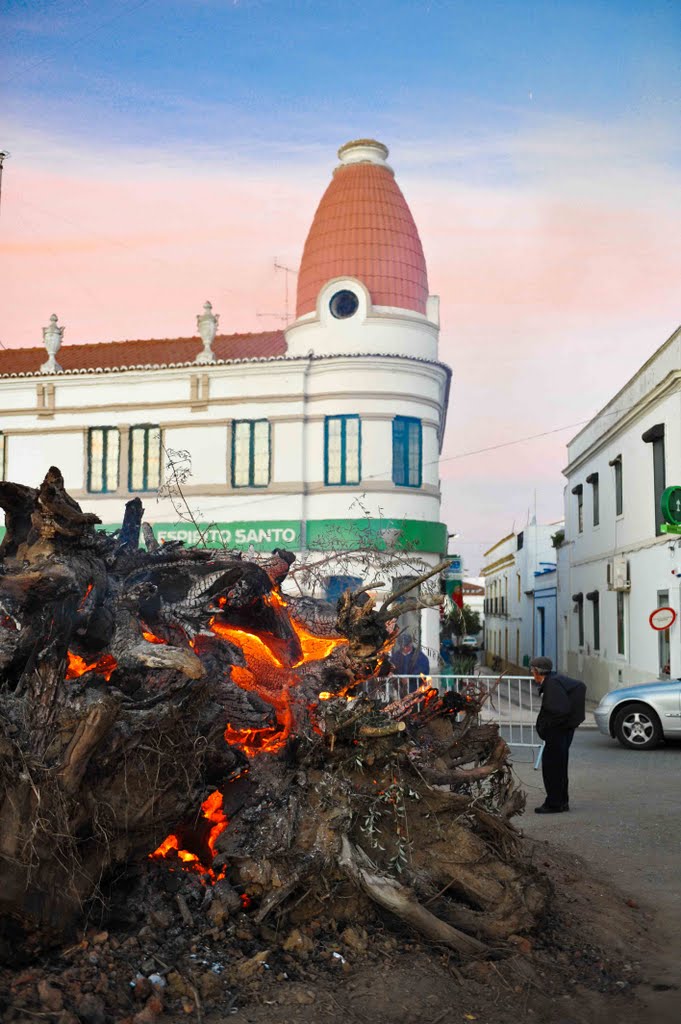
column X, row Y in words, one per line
column 363, row 228
column 155, row 351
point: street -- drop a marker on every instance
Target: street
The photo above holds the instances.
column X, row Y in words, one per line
column 625, row 815
column 625, row 821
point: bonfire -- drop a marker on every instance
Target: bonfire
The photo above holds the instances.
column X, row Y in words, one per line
column 172, row 707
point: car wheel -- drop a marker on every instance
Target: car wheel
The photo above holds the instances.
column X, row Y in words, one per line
column 638, row 727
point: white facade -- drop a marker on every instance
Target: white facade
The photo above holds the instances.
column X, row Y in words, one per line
column 374, row 367
column 617, row 566
column 474, row 596
column 510, row 576
column 545, row 597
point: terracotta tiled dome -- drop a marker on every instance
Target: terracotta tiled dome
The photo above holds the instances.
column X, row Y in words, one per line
column 363, row 228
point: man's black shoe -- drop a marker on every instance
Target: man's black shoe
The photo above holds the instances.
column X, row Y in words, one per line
column 545, row 809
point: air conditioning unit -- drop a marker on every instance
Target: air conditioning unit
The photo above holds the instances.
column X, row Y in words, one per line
column 618, row 573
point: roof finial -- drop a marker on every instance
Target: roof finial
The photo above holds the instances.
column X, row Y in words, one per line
column 364, row 151
column 52, row 339
column 207, row 325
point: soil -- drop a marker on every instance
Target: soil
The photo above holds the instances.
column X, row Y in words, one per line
column 169, row 950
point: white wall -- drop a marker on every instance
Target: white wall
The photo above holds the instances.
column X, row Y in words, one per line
column 195, row 407
column 510, row 635
column 652, row 396
column 370, row 330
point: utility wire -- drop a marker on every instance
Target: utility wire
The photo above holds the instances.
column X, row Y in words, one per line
column 450, row 458
column 137, row 249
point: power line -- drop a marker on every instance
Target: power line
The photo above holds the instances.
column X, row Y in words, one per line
column 507, row 444
column 146, row 256
column 450, row 458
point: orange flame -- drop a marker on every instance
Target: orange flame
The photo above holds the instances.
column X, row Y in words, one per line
column 270, row 675
column 315, row 648
column 269, row 672
column 151, row 638
column 212, row 811
column 78, row 666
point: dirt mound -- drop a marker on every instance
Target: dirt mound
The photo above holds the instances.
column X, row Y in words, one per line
column 171, row 948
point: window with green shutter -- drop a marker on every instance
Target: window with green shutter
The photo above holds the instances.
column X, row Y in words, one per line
column 407, row 451
column 251, row 453
column 144, row 460
column 103, row 452
column 342, row 450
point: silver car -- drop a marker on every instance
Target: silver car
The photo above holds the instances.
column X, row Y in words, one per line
column 640, row 716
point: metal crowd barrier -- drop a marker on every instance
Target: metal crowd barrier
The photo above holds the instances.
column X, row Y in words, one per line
column 512, row 702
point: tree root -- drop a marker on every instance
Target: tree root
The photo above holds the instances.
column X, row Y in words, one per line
column 396, row 898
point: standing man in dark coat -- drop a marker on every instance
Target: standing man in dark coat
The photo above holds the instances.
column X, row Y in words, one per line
column 562, row 710
column 410, row 661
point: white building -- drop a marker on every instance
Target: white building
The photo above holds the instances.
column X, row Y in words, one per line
column 324, row 437
column 511, row 570
column 545, row 599
column 473, row 592
column 618, row 565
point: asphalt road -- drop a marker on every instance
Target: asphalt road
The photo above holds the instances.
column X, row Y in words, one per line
column 625, row 816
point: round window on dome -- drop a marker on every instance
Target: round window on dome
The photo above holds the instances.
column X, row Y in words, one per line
column 344, row 304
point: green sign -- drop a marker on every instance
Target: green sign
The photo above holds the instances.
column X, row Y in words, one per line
column 264, row 536
column 321, row 535
column 376, row 534
column 670, row 503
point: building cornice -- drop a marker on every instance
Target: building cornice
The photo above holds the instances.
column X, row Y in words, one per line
column 215, row 404
column 670, row 384
column 501, row 563
column 210, row 369
column 494, row 546
column 675, row 336
column 290, row 488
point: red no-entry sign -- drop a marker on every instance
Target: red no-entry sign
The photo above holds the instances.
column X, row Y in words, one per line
column 662, row 618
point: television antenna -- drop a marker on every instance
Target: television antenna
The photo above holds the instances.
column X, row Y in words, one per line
column 286, row 317
column 4, row 154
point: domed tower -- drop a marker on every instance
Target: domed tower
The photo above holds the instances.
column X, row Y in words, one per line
column 373, row 393
column 362, row 283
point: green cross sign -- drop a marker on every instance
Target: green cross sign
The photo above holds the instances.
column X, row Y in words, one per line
column 670, row 504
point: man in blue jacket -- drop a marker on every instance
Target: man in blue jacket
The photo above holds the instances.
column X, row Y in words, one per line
column 410, row 661
column 562, row 710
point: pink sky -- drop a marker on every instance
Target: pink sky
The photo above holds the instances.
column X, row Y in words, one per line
column 554, row 286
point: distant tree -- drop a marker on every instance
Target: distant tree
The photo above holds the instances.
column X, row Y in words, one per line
column 463, row 621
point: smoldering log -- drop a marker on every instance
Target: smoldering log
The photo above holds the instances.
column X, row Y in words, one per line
column 139, row 683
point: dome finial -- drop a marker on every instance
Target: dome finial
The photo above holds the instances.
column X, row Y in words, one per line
column 364, row 151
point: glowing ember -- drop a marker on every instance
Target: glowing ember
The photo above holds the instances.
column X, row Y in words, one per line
column 269, row 672
column 150, row 638
column 261, row 741
column 315, row 648
column 256, row 647
column 212, row 811
column 77, row 666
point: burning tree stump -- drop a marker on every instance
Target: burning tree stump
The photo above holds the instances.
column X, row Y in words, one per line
column 169, row 702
